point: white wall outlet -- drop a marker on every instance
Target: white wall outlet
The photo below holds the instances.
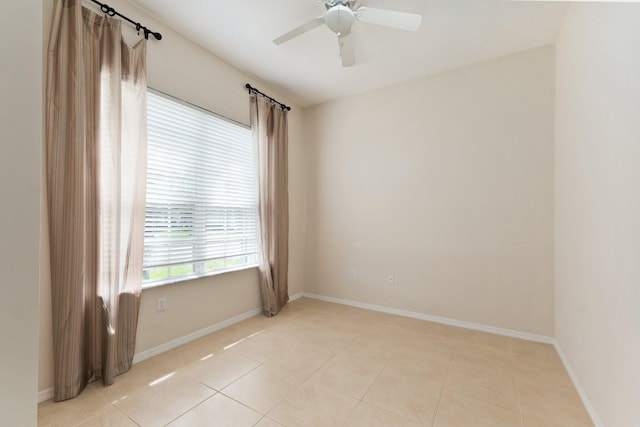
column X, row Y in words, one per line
column 352, row 274
column 391, row 279
column 162, row 304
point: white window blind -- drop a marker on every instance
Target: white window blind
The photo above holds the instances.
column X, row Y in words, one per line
column 201, row 197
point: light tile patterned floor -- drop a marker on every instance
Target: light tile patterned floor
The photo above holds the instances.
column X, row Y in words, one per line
column 323, row 364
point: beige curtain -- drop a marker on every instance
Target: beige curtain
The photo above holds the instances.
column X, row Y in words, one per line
column 96, row 175
column 270, row 136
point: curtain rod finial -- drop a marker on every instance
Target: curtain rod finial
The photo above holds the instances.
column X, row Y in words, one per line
column 253, row 90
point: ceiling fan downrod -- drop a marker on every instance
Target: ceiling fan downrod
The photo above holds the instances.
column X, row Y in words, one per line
column 340, row 17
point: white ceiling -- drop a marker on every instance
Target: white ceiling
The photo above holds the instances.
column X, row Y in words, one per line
column 308, row 70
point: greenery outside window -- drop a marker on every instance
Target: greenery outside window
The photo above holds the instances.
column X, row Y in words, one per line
column 201, row 193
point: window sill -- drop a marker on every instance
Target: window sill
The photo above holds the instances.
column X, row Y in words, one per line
column 190, row 277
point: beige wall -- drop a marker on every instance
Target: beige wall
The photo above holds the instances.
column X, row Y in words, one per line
column 598, row 205
column 445, row 182
column 20, row 144
column 182, row 69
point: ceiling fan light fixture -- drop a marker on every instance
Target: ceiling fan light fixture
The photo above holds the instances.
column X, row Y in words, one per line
column 340, row 19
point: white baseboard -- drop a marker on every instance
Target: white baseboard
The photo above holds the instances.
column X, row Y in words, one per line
column 479, row 327
column 45, row 394
column 444, row 320
column 48, row 393
column 139, row 357
column 296, row 296
column 597, row 422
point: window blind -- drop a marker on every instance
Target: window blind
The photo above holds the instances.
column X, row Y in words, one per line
column 201, row 192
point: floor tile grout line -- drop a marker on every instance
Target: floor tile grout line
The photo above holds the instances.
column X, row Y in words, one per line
column 499, row 405
column 331, row 355
column 361, row 400
column 299, row 385
column 193, row 407
column 126, row 415
column 239, row 378
column 104, row 408
column 515, row 381
column 446, row 380
column 335, row 353
column 260, row 364
column 247, row 406
column 386, row 364
column 221, row 391
column 264, row 417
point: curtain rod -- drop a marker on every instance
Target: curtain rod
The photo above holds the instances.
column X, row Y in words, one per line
column 108, row 10
column 254, row 90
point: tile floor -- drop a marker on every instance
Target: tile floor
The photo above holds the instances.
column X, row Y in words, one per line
column 323, row 364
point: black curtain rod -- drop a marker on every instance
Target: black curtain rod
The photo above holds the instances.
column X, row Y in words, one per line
column 108, row 10
column 254, row 90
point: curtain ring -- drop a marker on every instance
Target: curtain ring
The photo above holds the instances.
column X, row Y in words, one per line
column 107, row 10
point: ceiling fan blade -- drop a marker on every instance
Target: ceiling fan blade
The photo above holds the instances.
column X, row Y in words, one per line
column 347, row 53
column 298, row 31
column 389, row 18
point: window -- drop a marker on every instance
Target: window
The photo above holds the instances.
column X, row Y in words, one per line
column 201, row 193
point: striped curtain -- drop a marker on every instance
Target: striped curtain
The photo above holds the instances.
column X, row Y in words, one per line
column 270, row 137
column 96, row 175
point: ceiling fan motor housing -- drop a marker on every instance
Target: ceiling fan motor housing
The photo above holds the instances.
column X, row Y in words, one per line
column 340, row 19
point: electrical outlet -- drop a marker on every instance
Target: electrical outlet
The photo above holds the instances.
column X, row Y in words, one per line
column 162, row 304
column 391, row 279
column 352, row 274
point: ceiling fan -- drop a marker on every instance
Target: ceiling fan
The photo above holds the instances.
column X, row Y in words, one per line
column 340, row 17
